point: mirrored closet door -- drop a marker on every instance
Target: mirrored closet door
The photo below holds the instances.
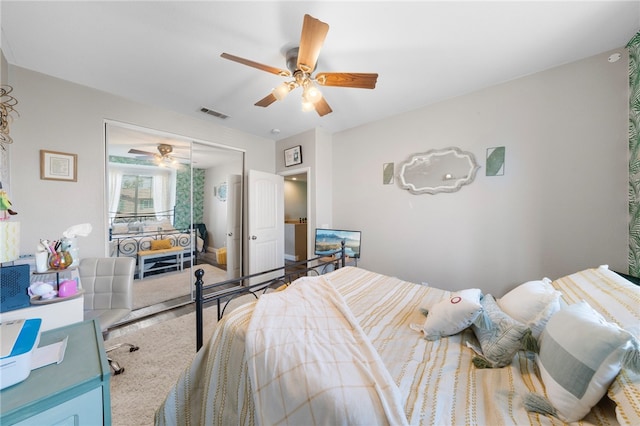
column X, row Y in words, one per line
column 175, row 205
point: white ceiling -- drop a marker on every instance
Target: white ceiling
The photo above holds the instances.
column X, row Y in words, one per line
column 168, row 53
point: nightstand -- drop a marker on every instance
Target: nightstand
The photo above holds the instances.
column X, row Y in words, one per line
column 74, row 392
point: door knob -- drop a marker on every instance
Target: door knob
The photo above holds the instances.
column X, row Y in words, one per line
column 253, row 237
column 230, row 234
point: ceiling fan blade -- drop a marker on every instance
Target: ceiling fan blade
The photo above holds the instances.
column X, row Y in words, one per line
column 348, row 79
column 139, row 152
column 267, row 68
column 312, row 38
column 266, row 101
column 322, row 107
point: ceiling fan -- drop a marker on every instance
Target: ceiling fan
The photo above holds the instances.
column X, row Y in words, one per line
column 162, row 156
column 301, row 63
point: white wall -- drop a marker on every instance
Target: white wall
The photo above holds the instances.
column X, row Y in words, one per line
column 317, row 159
column 561, row 205
column 4, row 67
column 60, row 116
column 307, row 142
column 215, row 211
column 323, row 201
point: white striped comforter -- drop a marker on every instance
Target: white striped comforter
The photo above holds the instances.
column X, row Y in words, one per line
column 437, row 381
column 310, row 362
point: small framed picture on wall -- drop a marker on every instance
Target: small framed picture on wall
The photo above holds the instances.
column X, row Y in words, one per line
column 293, row 156
column 58, row 166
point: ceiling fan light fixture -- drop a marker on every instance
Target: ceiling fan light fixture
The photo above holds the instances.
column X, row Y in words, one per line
column 165, row 149
column 282, row 91
column 166, row 161
column 307, row 106
column 311, row 93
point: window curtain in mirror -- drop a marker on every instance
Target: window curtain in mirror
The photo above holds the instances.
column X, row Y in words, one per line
column 115, row 185
column 163, row 193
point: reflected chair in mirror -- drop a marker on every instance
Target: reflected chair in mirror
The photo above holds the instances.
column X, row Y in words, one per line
column 202, row 239
column 108, row 294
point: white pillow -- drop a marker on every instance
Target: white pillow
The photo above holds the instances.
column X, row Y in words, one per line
column 532, row 303
column 135, row 227
column 119, row 228
column 166, row 225
column 453, row 314
column 580, row 355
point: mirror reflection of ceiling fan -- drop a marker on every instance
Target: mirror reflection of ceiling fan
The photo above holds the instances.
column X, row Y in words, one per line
column 162, row 157
column 301, row 63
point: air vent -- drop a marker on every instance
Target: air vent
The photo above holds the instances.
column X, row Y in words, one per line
column 214, row 113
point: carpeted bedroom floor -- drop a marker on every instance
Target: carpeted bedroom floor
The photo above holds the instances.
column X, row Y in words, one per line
column 171, row 285
column 165, row 351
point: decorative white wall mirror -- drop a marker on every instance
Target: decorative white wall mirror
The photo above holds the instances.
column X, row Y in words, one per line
column 438, row 170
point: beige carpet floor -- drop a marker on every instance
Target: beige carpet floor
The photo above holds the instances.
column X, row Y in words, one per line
column 162, row 287
column 165, row 351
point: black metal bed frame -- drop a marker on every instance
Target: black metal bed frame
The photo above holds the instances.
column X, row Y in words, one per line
column 225, row 291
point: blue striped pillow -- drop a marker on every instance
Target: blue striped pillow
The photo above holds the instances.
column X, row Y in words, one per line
column 500, row 336
column 580, row 355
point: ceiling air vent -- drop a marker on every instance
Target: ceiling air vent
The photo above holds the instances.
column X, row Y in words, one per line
column 214, row 113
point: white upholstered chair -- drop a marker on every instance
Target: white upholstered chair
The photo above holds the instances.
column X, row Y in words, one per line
column 108, row 293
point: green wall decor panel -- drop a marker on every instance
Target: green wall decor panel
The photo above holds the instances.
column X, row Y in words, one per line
column 634, row 158
column 387, row 173
column 183, row 197
column 495, row 161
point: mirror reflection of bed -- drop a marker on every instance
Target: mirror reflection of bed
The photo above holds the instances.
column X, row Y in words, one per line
column 172, row 198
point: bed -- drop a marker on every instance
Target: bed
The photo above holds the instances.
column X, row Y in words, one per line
column 415, row 369
column 130, row 234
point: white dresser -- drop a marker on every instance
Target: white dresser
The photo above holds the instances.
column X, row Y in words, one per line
column 53, row 315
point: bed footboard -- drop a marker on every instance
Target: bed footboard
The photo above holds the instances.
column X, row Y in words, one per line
column 223, row 292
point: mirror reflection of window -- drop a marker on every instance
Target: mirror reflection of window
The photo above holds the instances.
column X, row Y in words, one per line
column 136, row 195
column 140, row 189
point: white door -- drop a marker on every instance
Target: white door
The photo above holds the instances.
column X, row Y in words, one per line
column 234, row 233
column 266, row 221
